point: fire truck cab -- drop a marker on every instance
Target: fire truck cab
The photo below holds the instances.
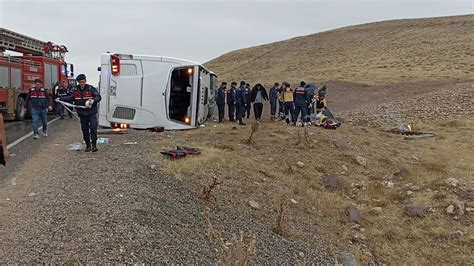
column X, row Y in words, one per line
column 40, row 60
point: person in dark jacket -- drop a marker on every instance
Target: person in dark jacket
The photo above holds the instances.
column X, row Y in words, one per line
column 86, row 98
column 247, row 90
column 273, row 97
column 41, row 103
column 59, row 92
column 302, row 100
column 230, row 99
column 220, row 101
column 258, row 96
column 240, row 104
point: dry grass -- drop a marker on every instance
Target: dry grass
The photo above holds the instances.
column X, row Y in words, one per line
column 268, row 173
column 375, row 53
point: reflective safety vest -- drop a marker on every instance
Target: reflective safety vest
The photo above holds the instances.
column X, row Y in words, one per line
column 40, row 93
column 287, row 95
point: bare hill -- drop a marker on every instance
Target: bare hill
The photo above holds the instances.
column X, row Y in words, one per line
column 409, row 50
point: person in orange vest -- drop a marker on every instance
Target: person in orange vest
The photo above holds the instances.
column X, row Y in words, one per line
column 288, row 104
column 41, row 103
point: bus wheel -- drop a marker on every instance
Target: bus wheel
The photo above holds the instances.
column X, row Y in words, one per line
column 20, row 111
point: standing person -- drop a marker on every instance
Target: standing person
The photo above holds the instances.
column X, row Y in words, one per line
column 288, row 104
column 257, row 96
column 302, row 100
column 247, row 100
column 40, row 102
column 281, row 105
column 60, row 91
column 69, row 92
column 87, row 97
column 240, row 104
column 231, row 101
column 273, row 97
column 220, row 101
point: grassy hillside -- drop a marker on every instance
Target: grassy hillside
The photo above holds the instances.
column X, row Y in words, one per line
column 433, row 49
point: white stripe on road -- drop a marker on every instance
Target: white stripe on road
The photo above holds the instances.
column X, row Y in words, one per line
column 28, row 135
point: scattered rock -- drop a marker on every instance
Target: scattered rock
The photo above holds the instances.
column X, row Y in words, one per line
column 344, row 167
column 152, row 167
column 450, row 209
column 376, row 210
column 460, row 206
column 32, row 194
column 354, row 214
column 361, row 160
column 254, row 205
column 466, row 195
column 356, row 227
column 358, row 185
column 415, row 188
column 301, row 254
column 388, row 184
column 409, row 193
column 413, row 209
column 293, row 201
column 300, row 164
column 414, row 158
column 453, row 182
column 347, row 259
column 14, row 181
column 332, row 182
column 469, row 209
column 339, row 143
column 457, row 234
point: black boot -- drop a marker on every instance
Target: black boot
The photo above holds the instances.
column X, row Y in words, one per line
column 88, row 147
column 241, row 123
column 94, row 147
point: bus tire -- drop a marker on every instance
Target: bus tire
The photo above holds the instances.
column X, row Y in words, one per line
column 20, row 111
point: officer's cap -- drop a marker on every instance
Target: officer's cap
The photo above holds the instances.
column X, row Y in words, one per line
column 81, row 77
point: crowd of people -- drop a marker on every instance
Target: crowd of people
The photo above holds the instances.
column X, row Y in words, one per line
column 294, row 105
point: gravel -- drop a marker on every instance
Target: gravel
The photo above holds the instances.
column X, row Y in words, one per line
column 111, row 206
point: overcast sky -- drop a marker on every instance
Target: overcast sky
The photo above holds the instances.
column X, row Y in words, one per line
column 195, row 30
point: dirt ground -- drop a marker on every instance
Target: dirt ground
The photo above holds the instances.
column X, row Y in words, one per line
column 128, row 203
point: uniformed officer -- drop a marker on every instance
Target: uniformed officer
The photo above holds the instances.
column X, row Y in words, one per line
column 302, row 101
column 60, row 91
column 220, row 101
column 240, row 104
column 40, row 102
column 247, row 90
column 87, row 96
column 231, row 101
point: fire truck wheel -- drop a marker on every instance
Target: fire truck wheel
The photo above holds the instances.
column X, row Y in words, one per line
column 20, row 112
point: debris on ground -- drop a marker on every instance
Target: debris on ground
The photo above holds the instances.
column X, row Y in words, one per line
column 180, row 152
column 75, row 147
column 103, row 141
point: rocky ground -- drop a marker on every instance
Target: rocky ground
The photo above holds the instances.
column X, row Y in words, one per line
column 358, row 193
column 61, row 206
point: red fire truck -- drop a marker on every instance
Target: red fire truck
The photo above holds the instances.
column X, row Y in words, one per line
column 43, row 60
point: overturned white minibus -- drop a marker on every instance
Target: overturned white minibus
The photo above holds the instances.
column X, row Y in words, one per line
column 142, row 92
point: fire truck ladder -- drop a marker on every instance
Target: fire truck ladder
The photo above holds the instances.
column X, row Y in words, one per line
column 13, row 41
